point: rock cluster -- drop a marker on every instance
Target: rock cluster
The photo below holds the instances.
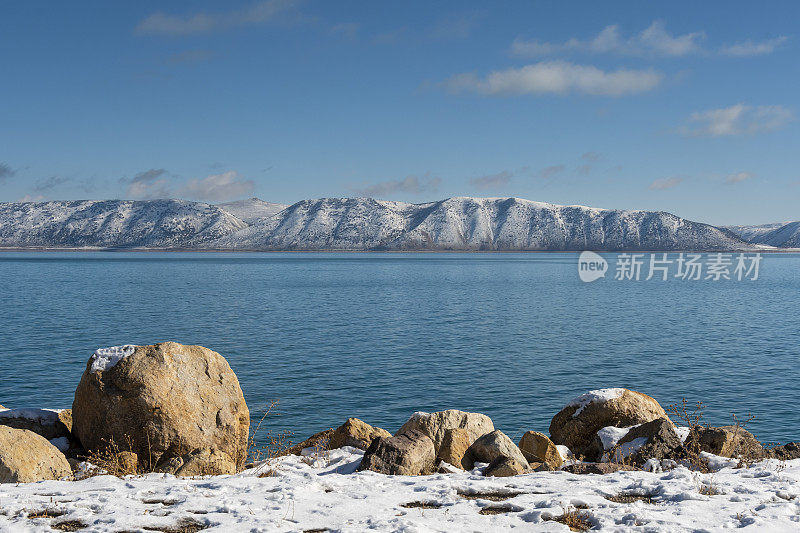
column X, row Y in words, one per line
column 179, row 410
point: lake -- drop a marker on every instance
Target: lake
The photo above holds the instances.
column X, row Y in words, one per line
column 379, row 336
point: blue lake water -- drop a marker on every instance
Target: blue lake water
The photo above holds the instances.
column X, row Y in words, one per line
column 378, row 336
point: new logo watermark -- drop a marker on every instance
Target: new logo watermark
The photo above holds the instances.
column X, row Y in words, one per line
column 591, row 266
column 682, row 266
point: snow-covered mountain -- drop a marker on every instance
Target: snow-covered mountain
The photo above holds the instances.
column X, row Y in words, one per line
column 114, row 224
column 252, row 209
column 779, row 234
column 352, row 224
column 472, row 224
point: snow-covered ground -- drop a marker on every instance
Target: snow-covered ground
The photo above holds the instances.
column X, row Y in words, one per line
column 314, row 493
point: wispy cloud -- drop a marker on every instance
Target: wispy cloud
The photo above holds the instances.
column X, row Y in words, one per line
column 551, row 171
column 410, row 185
column 751, row 48
column 738, row 177
column 492, row 181
column 218, row 187
column 665, row 183
column 50, row 183
column 6, row 172
column 654, row 40
column 556, row 77
column 738, row 119
column 149, row 185
column 202, row 22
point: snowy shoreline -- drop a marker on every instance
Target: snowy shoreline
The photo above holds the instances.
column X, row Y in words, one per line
column 324, row 493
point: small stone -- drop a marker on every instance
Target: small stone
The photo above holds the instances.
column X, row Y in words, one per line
column 504, row 466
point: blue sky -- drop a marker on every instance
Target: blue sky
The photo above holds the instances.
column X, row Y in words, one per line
column 686, row 107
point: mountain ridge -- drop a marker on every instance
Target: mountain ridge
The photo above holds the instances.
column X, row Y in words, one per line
column 353, row 224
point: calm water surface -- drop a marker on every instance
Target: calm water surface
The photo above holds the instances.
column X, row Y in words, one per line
column 379, row 336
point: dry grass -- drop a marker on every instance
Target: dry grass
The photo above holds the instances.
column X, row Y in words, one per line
column 630, row 498
column 45, row 513
column 690, row 417
column 70, row 525
column 574, row 519
column 498, row 509
column 109, row 461
column 422, row 505
column 186, row 525
column 494, row 496
column 276, row 445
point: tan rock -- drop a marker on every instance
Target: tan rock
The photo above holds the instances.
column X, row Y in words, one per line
column 504, row 466
column 727, row 441
column 408, row 454
column 357, row 434
column 491, row 446
column 353, row 432
column 165, row 400
column 435, row 425
column 537, row 447
column 27, row 457
column 47, row 423
column 454, row 447
column 577, row 424
column 205, row 462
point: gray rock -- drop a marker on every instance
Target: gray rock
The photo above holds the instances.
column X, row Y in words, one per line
column 407, row 454
column 491, row 446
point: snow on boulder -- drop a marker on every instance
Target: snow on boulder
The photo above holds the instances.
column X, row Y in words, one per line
column 407, row 454
column 26, row 457
column 162, row 401
column 435, row 425
column 49, row 423
column 656, row 439
column 576, row 425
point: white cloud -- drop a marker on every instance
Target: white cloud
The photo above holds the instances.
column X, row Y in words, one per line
column 149, row 185
column 665, row 183
column 749, row 48
column 738, row 177
column 218, row 187
column 176, row 25
column 654, row 40
column 558, row 77
column 738, row 119
column 492, row 181
column 410, row 184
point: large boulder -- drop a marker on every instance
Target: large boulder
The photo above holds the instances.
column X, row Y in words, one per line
column 454, row 447
column 577, row 424
column 491, row 446
column 537, row 448
column 656, row 439
column 408, row 454
column 727, row 441
column 26, row 457
column 161, row 402
column 435, row 425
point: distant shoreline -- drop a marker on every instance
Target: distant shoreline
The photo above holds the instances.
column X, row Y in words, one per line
column 337, row 251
